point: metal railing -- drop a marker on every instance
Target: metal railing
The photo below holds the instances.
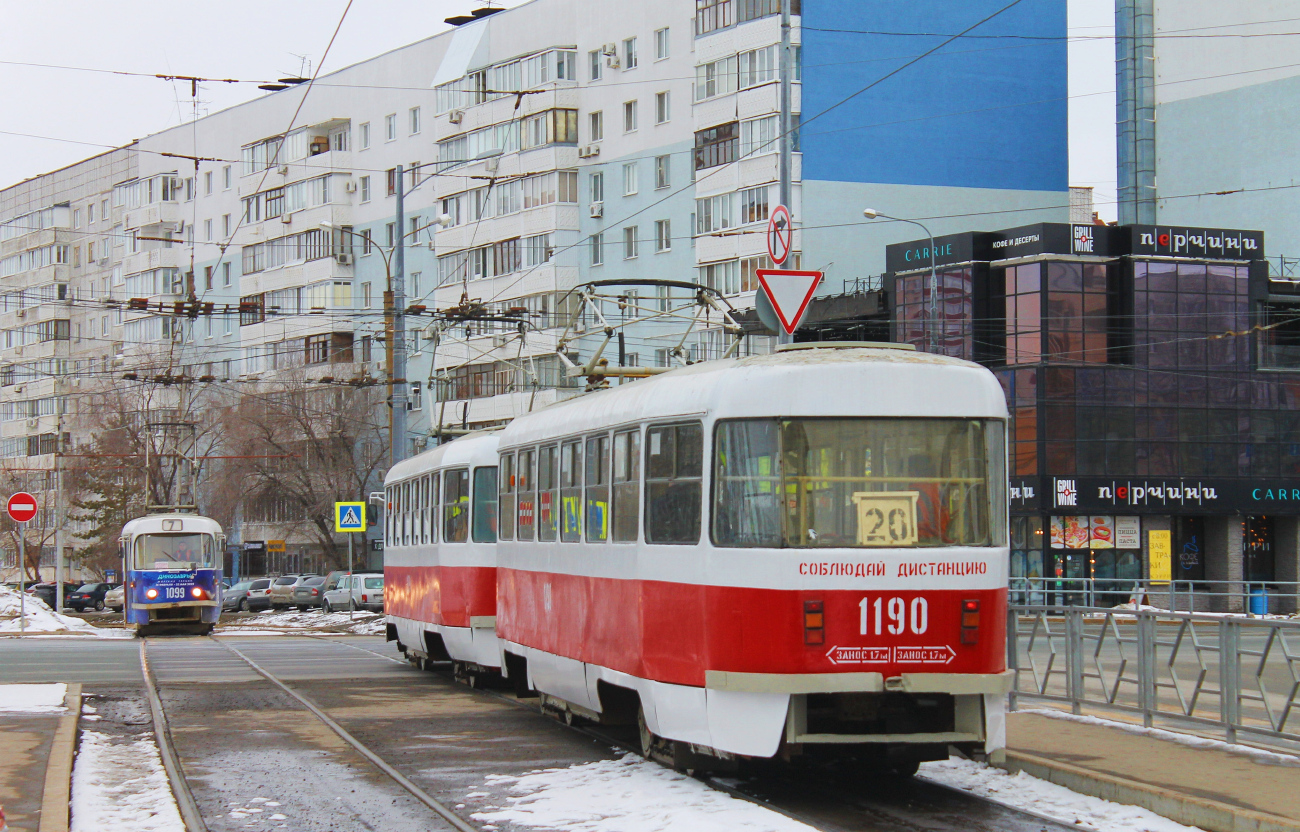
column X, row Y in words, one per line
column 1232, row 675
column 1248, row 597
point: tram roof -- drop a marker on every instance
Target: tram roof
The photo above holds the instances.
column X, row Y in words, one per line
column 154, row 523
column 819, row 382
column 477, row 448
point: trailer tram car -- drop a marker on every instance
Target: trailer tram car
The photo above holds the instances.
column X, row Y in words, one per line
column 440, row 555
column 172, row 564
column 789, row 554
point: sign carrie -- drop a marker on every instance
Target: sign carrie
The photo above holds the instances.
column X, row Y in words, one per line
column 780, row 234
column 21, row 507
column 789, row 292
column 349, row 517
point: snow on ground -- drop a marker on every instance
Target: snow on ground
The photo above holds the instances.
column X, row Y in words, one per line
column 1259, row 754
column 32, row 699
column 624, row 795
column 40, row 618
column 1130, row 606
column 1020, row 791
column 361, row 623
column 120, row 784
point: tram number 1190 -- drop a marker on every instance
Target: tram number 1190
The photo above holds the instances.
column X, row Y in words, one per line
column 881, row 615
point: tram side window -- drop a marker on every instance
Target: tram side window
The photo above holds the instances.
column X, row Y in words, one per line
column 417, row 510
column 597, row 489
column 431, row 507
column 674, row 462
column 526, row 496
column 388, row 514
column 406, row 513
column 455, row 506
column 627, row 485
column 507, row 496
column 571, row 492
column 746, row 486
column 547, row 498
column 485, row 505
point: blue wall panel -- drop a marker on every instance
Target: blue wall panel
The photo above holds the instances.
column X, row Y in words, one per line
column 986, row 111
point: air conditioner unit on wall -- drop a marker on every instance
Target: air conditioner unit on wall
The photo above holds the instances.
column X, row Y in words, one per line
column 586, row 151
column 350, row 186
column 597, row 209
column 32, row 423
column 456, row 116
column 286, row 218
column 344, row 259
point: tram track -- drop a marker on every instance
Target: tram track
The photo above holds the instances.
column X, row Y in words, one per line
column 891, row 805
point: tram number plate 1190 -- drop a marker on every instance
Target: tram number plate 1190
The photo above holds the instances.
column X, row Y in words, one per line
column 886, row 518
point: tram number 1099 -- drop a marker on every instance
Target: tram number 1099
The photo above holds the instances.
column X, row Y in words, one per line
column 173, row 592
column 893, row 615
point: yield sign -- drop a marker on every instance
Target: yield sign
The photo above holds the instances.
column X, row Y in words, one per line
column 21, row 507
column 780, row 234
column 790, row 293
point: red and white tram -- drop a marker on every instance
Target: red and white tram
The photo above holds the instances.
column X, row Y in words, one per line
column 757, row 556
column 440, row 553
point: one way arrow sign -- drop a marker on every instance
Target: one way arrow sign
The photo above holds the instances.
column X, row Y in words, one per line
column 789, row 292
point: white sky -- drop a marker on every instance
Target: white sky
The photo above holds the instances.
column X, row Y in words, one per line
column 256, row 40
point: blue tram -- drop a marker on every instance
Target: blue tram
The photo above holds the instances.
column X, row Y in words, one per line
column 172, row 564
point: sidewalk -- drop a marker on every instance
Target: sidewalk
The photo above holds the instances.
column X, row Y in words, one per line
column 37, row 751
column 1219, row 789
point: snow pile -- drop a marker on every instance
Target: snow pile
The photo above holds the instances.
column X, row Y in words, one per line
column 625, row 795
column 121, row 785
column 32, row 699
column 361, row 623
column 1259, row 754
column 1020, row 791
column 40, row 618
column 1130, row 607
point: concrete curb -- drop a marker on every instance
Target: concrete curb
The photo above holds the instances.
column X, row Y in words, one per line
column 1209, row 815
column 56, row 800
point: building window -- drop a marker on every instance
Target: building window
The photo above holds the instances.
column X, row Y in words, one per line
column 661, row 108
column 629, row 242
column 207, row 230
column 759, row 136
column 629, row 116
column 597, row 248
column 363, row 135
column 629, row 53
column 390, row 234
column 225, row 226
column 226, row 176
column 758, row 66
column 225, row 279
column 711, row 15
column 415, row 120
column 597, row 183
column 390, row 127
column 392, row 181
column 597, row 63
column 661, row 44
column 365, row 295
column 663, row 171
column 663, row 235
column 367, row 242
column 630, row 178
column 597, row 123
column 416, row 400
column 715, row 78
column 754, row 205
column 716, row 146
column 365, row 189
column 714, row 213
column 207, row 183
column 207, row 279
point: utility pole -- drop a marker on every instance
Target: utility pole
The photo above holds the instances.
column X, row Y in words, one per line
column 786, row 138
column 58, row 509
column 396, row 303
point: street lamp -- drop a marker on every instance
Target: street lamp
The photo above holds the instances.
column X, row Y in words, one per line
column 871, row 214
column 395, row 328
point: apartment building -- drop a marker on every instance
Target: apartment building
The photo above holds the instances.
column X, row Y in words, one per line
column 544, row 147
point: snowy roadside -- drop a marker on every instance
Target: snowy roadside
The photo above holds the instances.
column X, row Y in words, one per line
column 33, row 699
column 1029, row 794
column 120, row 784
column 360, row 623
column 41, row 620
column 624, row 795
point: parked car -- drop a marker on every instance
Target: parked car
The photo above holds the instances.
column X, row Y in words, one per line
column 45, row 591
column 115, row 598
column 360, row 590
column 88, row 595
column 308, row 594
column 247, row 596
column 282, row 590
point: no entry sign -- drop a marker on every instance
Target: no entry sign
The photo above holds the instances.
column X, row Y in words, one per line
column 21, row 507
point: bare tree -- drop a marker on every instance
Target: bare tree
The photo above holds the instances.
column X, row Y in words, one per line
column 39, row 532
column 298, row 446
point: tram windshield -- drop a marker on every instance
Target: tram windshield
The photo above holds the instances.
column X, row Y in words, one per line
column 859, row 483
column 170, row 551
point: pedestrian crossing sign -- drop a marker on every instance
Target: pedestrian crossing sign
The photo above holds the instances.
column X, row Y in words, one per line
column 349, row 517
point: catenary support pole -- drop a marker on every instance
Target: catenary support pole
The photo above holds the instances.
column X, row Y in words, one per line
column 397, row 452
column 786, row 137
column 22, row 568
column 350, row 604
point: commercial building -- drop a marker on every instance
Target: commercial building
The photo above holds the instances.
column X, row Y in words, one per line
column 541, row 148
column 1150, row 374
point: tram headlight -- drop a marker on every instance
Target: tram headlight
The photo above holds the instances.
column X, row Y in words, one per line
column 198, row 592
column 151, row 593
